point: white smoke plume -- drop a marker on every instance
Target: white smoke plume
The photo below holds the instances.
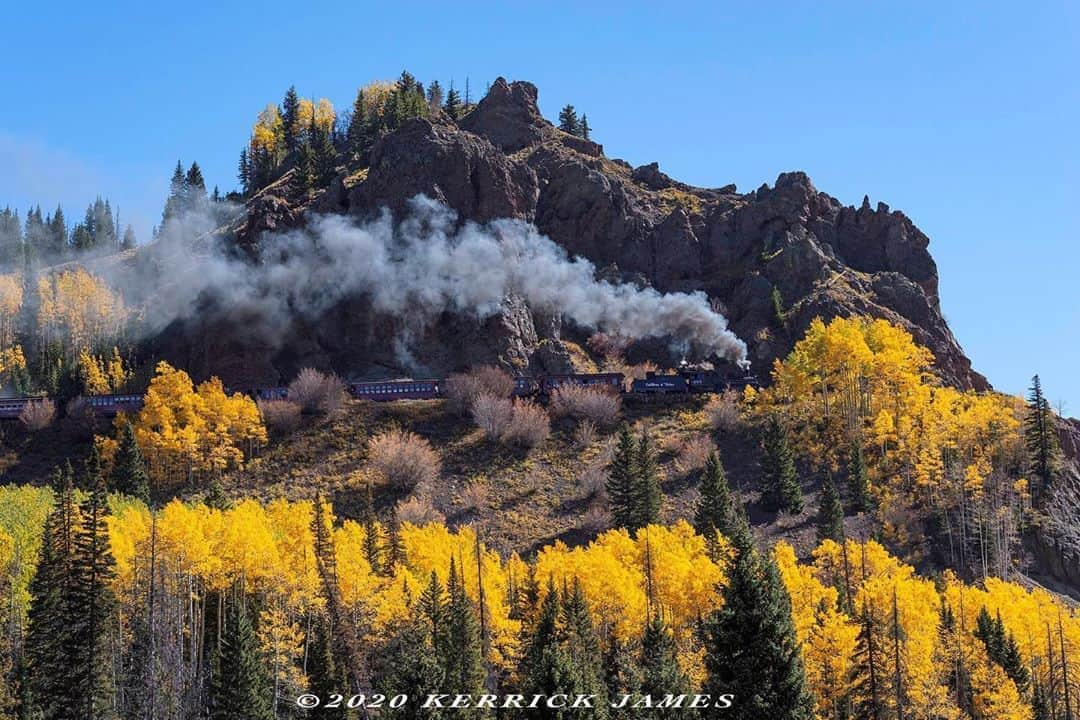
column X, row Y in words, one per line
column 420, row 267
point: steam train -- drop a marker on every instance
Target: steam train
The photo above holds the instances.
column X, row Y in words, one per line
column 681, row 382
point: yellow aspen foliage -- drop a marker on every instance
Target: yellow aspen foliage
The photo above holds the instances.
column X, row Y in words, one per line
column 268, row 134
column 78, row 310
column 12, row 363
column 924, row 631
column 11, row 300
column 94, row 379
column 322, row 111
column 185, row 431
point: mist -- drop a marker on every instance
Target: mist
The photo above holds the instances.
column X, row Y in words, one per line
column 415, row 269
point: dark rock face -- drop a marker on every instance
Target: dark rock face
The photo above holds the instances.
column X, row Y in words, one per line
column 505, row 160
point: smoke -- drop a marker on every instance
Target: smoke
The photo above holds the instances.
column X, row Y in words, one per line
column 415, row 270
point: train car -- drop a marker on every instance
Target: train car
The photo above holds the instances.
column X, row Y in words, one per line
column 615, row 381
column 114, row 404
column 525, row 386
column 387, row 390
column 654, row 384
column 11, row 408
column 269, row 393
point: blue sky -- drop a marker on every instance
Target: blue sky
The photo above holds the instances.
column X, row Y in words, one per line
column 964, row 115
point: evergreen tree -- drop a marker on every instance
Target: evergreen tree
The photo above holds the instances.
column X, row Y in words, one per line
column 452, row 106
column 357, row 138
column 581, row 650
column 622, row 667
column 714, row 512
column 750, row 643
column 92, row 603
column 830, row 519
column 544, row 668
column 128, row 242
column 306, row 171
column 326, row 675
column 1040, row 438
column 243, row 172
column 57, row 243
column 648, row 495
column 128, row 474
column 584, row 127
column 47, row 664
column 372, row 547
column 858, row 479
column 408, row 665
column 290, row 118
column 780, row 489
column 1040, row 704
column 568, row 120
column 463, row 656
column 177, row 200
column 621, row 483
column 195, row 188
column 240, row 687
column 434, row 95
column 325, row 158
column 660, row 669
column 11, row 239
column 867, row 673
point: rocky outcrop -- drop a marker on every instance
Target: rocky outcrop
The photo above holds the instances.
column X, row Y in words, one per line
column 505, row 160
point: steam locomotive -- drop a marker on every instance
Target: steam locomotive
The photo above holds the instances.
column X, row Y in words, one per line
column 684, row 381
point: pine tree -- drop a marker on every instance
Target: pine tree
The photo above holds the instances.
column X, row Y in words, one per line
column 357, row 138
column 660, row 669
column 463, row 656
column 92, row 603
column 714, row 512
column 326, row 675
column 544, row 668
column 750, row 643
column 177, row 200
column 648, row 495
column 128, row 474
column 11, row 239
column 290, row 118
column 408, row 665
column 581, row 650
column 326, row 155
column 128, row 242
column 243, row 172
column 434, row 95
column 306, row 171
column 621, row 483
column 195, row 185
column 584, row 127
column 830, row 519
column 780, row 487
column 240, row 687
column 452, row 106
column 858, row 479
column 1040, row 438
column 568, row 120
column 47, row 664
column 867, row 679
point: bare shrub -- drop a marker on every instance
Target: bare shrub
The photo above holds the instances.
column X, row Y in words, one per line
column 418, row 510
column 693, row 452
column 595, row 520
column 317, row 393
column 403, row 459
column 585, row 434
column 724, row 411
column 514, row 422
column 80, row 421
column 280, row 416
column 38, row 414
column 474, row 496
column 529, row 425
column 608, row 346
column 492, row 414
column 462, row 389
column 593, row 481
column 599, row 405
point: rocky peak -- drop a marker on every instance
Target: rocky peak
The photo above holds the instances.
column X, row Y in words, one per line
column 509, row 117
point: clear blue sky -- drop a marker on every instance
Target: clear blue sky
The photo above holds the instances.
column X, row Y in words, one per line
column 964, row 115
